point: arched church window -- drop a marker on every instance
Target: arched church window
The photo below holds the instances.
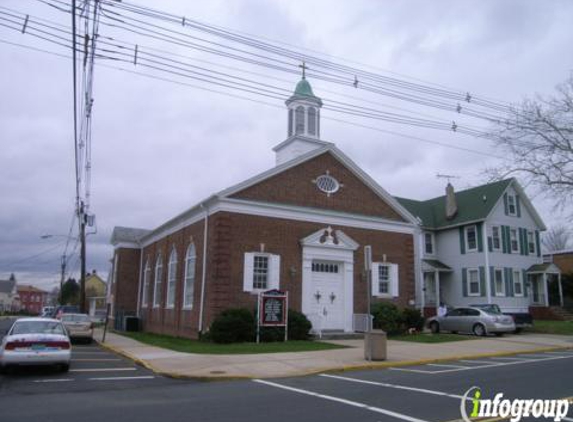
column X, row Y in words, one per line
column 312, row 121
column 299, row 116
column 290, row 112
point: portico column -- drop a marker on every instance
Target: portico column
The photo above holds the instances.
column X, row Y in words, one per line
column 545, row 289
column 560, row 290
column 437, row 287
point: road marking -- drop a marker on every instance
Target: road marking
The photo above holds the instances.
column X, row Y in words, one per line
column 513, row 359
column 55, row 380
column 96, row 360
column 564, row 353
column 419, row 371
column 448, row 366
column 143, row 377
column 489, row 362
column 343, row 401
column 534, row 355
column 567, row 419
column 399, row 387
column 102, row 369
column 74, row 352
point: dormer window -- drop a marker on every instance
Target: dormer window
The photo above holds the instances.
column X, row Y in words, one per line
column 511, row 205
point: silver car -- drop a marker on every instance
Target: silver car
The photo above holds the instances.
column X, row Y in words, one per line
column 472, row 320
column 36, row 341
column 79, row 326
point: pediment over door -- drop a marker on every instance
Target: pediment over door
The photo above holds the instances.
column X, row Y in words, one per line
column 329, row 238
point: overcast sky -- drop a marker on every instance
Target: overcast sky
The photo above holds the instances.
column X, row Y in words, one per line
column 160, row 147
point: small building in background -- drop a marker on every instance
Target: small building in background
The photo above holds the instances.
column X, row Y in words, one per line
column 9, row 300
column 96, row 290
column 32, row 299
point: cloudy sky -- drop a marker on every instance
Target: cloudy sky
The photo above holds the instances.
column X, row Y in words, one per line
column 160, row 146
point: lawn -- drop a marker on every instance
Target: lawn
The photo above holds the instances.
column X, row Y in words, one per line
column 552, row 327
column 202, row 347
column 432, row 338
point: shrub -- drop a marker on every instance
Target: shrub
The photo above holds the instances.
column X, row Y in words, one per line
column 233, row 326
column 298, row 329
column 388, row 317
column 413, row 319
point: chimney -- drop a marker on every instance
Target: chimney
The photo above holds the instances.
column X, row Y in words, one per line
column 451, row 205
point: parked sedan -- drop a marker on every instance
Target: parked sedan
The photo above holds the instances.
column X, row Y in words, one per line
column 36, row 341
column 472, row 320
column 79, row 326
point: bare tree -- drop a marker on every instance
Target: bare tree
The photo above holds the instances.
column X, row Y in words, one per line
column 536, row 140
column 556, row 239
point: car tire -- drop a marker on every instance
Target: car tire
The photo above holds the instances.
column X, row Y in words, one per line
column 64, row 367
column 454, row 332
column 479, row 330
column 498, row 334
column 434, row 327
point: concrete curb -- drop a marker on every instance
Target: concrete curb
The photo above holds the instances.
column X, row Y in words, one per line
column 366, row 366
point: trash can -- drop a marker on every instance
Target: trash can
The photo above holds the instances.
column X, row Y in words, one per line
column 375, row 347
column 131, row 323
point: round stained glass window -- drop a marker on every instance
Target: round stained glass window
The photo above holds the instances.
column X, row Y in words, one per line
column 327, row 184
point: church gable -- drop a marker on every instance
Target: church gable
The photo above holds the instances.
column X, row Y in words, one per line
column 305, row 185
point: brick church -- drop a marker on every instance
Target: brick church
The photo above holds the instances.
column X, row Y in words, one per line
column 300, row 226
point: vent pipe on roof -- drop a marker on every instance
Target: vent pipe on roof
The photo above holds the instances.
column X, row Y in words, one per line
column 451, row 205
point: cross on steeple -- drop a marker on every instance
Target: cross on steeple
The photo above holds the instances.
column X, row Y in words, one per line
column 303, row 66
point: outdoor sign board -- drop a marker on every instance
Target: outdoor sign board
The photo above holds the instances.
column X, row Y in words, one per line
column 272, row 310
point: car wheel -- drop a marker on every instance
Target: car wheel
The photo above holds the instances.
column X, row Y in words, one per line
column 499, row 334
column 479, row 330
column 434, row 327
column 65, row 367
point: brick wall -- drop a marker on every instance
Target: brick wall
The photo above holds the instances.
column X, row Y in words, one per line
column 126, row 281
column 294, row 186
column 564, row 262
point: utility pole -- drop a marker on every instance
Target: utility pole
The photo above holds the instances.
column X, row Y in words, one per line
column 82, row 218
column 61, row 301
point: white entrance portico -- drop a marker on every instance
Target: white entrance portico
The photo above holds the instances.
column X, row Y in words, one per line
column 327, row 279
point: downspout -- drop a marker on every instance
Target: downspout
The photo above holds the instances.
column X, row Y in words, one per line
column 487, row 271
column 140, row 279
column 420, row 271
column 204, row 267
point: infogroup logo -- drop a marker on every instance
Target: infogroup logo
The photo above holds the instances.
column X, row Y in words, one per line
column 513, row 409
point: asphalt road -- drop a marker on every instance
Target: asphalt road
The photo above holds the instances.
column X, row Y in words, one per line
column 102, row 386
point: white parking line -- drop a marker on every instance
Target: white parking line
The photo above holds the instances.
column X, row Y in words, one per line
column 96, row 360
column 102, row 369
column 564, row 353
column 513, row 359
column 343, row 401
column 399, row 387
column 419, row 371
column 143, row 377
column 447, row 366
column 55, row 380
column 489, row 362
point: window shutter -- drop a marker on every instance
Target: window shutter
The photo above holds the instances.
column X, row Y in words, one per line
column 503, row 240
column 492, row 280
column 482, row 281
column 465, row 282
column 524, row 282
column 394, row 280
column 508, row 280
column 525, row 242
column 248, row 272
column 479, row 228
column 462, row 241
column 274, row 271
column 375, row 286
column 521, row 242
column 537, row 246
column 505, row 205
column 517, row 206
column 507, row 239
column 490, row 243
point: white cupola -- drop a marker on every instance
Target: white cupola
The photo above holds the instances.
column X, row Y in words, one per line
column 303, row 128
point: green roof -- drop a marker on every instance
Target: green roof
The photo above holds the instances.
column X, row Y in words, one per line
column 473, row 205
column 303, row 88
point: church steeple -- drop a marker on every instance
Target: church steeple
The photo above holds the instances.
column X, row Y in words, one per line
column 304, row 110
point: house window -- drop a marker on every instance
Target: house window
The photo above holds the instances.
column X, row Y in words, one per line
column 496, row 237
column 324, row 267
column 189, row 288
column 146, row 275
column 260, row 272
column 299, row 120
column 531, row 243
column 511, row 205
column 157, row 285
column 384, row 279
column 517, row 283
column 499, row 282
column 514, row 242
column 171, row 279
column 429, row 243
column 474, row 288
column 471, row 238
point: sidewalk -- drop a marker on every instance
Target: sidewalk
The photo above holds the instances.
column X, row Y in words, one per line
column 270, row 365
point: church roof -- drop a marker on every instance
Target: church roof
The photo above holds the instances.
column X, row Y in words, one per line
column 303, row 88
column 127, row 234
column 7, row 286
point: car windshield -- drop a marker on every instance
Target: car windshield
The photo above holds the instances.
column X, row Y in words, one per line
column 38, row 327
column 75, row 318
column 492, row 311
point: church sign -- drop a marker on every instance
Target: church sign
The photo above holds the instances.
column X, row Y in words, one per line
column 273, row 310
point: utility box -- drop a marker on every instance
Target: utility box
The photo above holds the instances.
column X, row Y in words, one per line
column 375, row 345
column 131, row 323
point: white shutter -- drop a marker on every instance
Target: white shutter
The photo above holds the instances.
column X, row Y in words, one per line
column 274, row 271
column 375, row 290
column 248, row 272
column 394, row 280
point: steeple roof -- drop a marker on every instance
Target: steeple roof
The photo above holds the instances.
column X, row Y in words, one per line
column 303, row 91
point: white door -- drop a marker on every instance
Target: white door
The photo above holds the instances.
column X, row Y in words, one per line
column 327, row 291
